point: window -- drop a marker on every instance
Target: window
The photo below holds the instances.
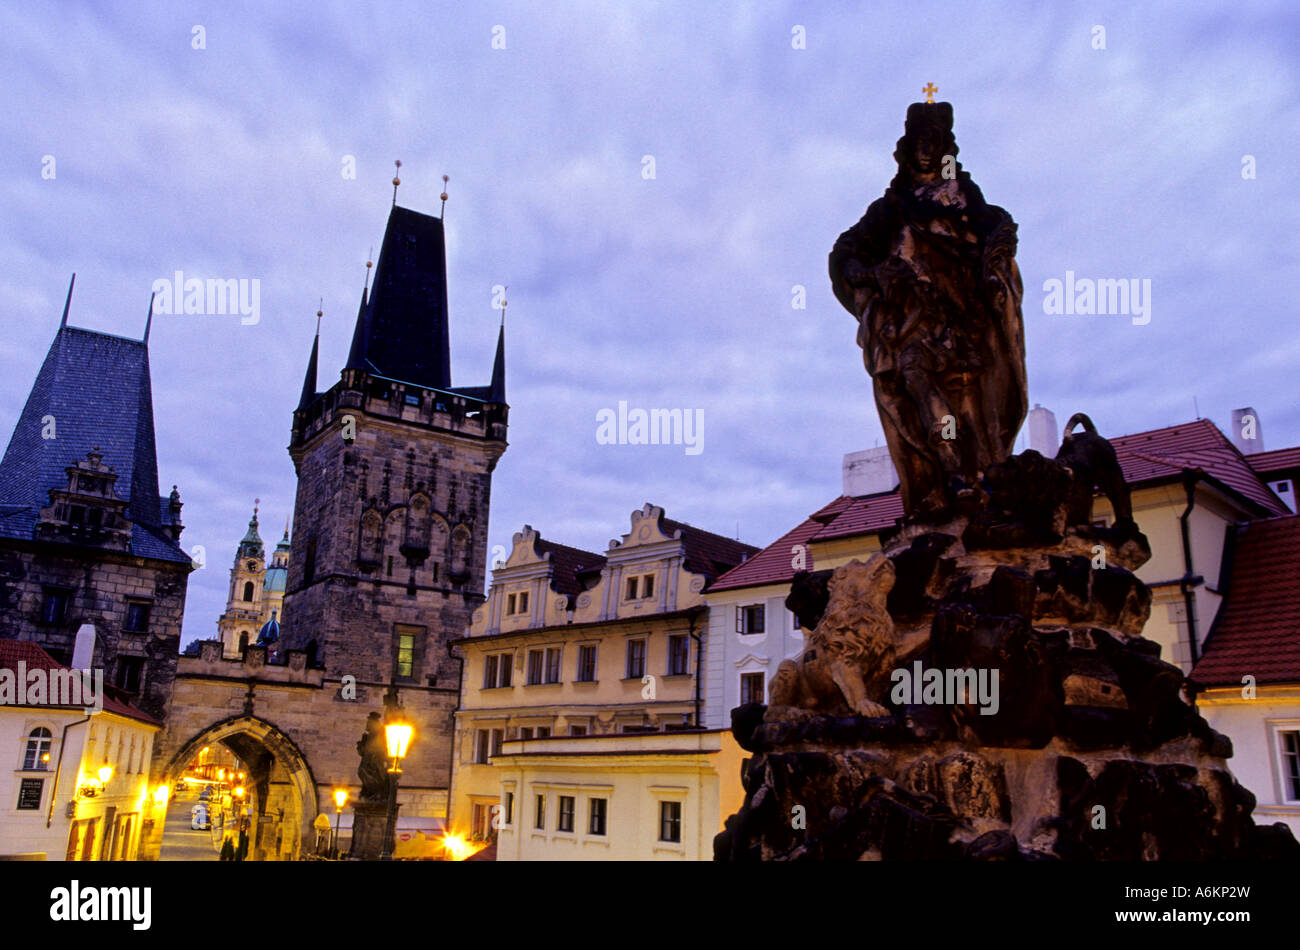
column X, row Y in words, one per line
column 525, row 732
column 309, row 560
column 523, row 602
column 37, row 756
column 543, row 732
column 137, row 618
column 631, row 589
column 749, row 619
column 552, row 664
column 482, row 740
column 648, row 586
column 539, row 819
column 510, row 604
column 498, row 737
column 510, row 808
column 126, row 675
column 596, row 811
column 1290, row 742
column 577, row 730
column 405, row 654
column 751, row 688
column 412, row 399
column 635, row 659
column 670, row 821
column 587, row 663
column 565, row 820
column 679, row 653
column 54, row 609
column 248, row 590
column 535, row 658
column 497, row 669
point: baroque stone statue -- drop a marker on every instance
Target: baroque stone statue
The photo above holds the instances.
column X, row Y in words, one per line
column 373, row 771
column 930, row 274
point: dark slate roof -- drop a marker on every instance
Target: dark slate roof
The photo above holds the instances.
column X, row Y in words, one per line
column 1154, row 456
column 569, row 564
column 1276, row 462
column 707, row 553
column 402, row 331
column 97, row 388
column 1257, row 630
column 34, row 658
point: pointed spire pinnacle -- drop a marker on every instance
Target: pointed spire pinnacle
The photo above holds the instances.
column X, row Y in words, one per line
column 443, row 212
column 64, row 322
column 497, row 392
column 286, row 530
column 149, row 320
column 309, row 381
column 396, row 180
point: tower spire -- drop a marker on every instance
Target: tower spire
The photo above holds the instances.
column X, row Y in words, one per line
column 497, row 391
column 309, row 381
column 64, row 322
column 149, row 320
column 396, row 181
column 443, row 212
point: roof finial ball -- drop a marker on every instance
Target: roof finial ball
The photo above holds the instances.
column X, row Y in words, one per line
column 396, row 181
column 445, row 179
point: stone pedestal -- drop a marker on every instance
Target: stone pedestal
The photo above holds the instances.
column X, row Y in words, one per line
column 369, row 822
column 981, row 690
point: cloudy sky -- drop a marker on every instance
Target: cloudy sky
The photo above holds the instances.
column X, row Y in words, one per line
column 216, row 140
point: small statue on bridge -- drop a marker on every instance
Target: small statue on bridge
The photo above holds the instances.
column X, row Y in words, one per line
column 373, row 771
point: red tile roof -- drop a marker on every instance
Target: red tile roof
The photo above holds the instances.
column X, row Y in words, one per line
column 1257, row 630
column 1153, row 456
column 35, row 658
column 1275, row 462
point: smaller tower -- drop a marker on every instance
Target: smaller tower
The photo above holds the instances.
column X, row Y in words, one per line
column 238, row 626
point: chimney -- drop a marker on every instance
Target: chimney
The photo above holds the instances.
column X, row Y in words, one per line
column 869, row 472
column 1044, row 433
column 1247, row 432
column 83, row 650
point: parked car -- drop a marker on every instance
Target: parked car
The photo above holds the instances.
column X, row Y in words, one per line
column 199, row 818
column 205, row 793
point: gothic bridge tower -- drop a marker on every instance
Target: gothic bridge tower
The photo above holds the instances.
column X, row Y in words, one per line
column 389, row 551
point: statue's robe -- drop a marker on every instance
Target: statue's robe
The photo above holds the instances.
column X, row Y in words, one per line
column 938, row 309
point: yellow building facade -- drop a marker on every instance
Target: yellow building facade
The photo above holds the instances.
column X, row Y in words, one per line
column 575, row 647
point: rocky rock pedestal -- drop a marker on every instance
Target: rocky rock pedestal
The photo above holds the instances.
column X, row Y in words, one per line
column 369, row 822
column 1034, row 721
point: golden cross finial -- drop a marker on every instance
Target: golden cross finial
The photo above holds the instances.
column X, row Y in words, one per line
column 320, row 313
column 929, row 89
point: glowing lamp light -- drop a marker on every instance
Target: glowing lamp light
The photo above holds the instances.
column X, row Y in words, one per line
column 340, row 798
column 398, row 734
column 239, row 791
column 160, row 794
column 105, row 773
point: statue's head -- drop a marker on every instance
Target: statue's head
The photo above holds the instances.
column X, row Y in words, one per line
column 927, row 138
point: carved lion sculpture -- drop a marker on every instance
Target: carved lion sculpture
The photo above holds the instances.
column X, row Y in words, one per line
column 849, row 655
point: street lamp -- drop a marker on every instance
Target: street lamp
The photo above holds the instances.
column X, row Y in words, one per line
column 397, row 732
column 105, row 773
column 340, row 799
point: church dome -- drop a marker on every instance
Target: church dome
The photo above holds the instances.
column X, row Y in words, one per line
column 270, row 631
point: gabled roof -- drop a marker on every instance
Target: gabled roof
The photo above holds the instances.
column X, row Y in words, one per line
column 96, row 387
column 708, row 553
column 1276, row 462
column 1163, row 453
column 1145, row 457
column 35, row 658
column 569, row 564
column 1257, row 630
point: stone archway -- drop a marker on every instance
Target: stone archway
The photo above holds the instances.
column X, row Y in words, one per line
column 270, row 753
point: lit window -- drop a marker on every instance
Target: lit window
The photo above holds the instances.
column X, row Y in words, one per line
column 405, row 654
column 37, row 756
